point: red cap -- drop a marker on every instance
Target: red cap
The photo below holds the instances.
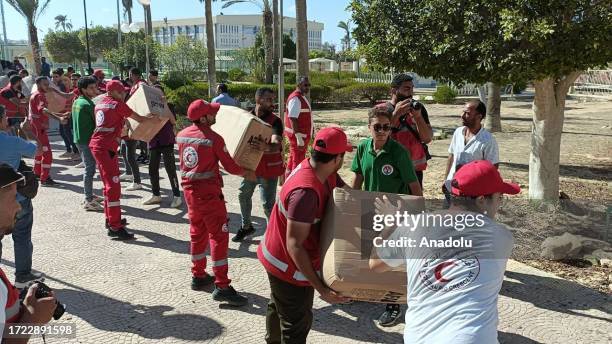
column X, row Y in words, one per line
column 199, row 108
column 331, row 140
column 98, row 73
column 480, row 178
column 114, row 85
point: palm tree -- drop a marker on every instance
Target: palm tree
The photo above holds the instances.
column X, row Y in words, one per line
column 275, row 36
column 264, row 6
column 345, row 25
column 62, row 21
column 210, row 47
column 302, row 38
column 31, row 10
column 127, row 9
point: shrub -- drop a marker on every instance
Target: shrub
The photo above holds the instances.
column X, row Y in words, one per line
column 221, row 76
column 444, row 95
column 290, row 78
column 236, row 74
column 372, row 91
column 174, row 80
column 184, row 95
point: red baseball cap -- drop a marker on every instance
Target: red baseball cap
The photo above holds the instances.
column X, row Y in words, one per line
column 114, row 85
column 199, row 108
column 331, row 140
column 481, row 178
column 99, row 73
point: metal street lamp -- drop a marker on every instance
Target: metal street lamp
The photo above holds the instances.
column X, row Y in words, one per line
column 87, row 38
column 145, row 4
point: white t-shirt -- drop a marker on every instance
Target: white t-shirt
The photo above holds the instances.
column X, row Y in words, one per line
column 294, row 107
column 481, row 146
column 3, row 300
column 452, row 293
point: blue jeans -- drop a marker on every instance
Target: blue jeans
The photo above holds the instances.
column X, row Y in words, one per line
column 22, row 239
column 267, row 191
column 66, row 134
column 90, row 171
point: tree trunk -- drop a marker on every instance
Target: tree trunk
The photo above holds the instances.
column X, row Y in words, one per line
column 302, row 38
column 548, row 116
column 35, row 47
column 149, row 27
column 482, row 93
column 129, row 14
column 275, row 36
column 267, row 18
column 493, row 120
column 210, row 46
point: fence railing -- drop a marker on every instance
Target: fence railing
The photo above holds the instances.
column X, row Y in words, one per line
column 594, row 82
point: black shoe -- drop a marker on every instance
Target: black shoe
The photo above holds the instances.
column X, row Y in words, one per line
column 123, row 223
column 390, row 316
column 120, row 234
column 243, row 233
column 230, row 296
column 49, row 183
column 202, row 283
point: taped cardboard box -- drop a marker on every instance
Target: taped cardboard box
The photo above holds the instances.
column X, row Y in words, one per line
column 238, row 128
column 55, row 101
column 148, row 100
column 346, row 246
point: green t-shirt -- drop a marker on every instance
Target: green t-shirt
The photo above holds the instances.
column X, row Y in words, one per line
column 83, row 120
column 391, row 170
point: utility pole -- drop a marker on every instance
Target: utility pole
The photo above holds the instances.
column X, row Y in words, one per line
column 87, row 38
column 119, row 33
column 281, row 69
column 5, row 47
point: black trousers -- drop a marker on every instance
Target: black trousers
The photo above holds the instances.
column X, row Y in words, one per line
column 167, row 153
column 128, row 153
column 289, row 315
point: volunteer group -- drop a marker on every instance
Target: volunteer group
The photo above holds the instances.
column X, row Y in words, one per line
column 392, row 160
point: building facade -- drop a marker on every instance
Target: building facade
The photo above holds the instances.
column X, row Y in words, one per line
column 231, row 32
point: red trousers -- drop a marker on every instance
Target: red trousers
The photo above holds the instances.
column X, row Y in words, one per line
column 297, row 154
column 108, row 164
column 208, row 225
column 42, row 161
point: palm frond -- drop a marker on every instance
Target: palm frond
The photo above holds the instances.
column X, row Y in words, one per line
column 41, row 9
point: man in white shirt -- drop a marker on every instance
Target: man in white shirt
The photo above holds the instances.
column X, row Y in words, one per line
column 470, row 142
column 452, row 292
column 298, row 123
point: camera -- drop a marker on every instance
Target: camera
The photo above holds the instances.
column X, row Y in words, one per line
column 415, row 105
column 44, row 291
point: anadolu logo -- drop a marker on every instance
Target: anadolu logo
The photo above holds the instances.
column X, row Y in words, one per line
column 450, row 274
column 190, row 157
column 387, row 170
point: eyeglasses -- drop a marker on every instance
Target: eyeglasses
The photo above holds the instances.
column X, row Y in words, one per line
column 306, row 85
column 381, row 127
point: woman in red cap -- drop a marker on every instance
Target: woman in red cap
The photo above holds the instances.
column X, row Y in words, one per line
column 200, row 151
column 455, row 260
column 111, row 113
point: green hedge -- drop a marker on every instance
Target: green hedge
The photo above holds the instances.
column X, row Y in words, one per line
column 373, row 92
column 444, row 95
column 184, row 95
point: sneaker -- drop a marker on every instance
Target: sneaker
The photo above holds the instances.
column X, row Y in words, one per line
column 76, row 157
column 23, row 281
column 92, row 206
column 98, row 199
column 177, row 201
column 390, row 316
column 243, row 233
column 202, row 283
column 229, row 295
column 80, row 165
column 49, row 183
column 123, row 223
column 120, row 234
column 134, row 187
column 126, row 177
column 66, row 155
column 153, row 200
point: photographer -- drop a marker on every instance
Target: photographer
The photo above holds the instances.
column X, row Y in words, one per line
column 33, row 310
column 410, row 122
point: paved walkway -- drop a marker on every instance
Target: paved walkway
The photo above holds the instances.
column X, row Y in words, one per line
column 138, row 291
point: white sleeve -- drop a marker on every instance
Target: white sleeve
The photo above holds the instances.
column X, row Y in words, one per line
column 3, row 300
column 491, row 151
column 293, row 108
column 451, row 147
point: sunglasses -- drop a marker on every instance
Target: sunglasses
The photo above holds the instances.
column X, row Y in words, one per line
column 381, row 127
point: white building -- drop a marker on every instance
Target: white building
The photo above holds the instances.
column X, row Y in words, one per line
column 231, row 31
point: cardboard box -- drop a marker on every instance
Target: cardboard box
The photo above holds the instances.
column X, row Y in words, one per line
column 55, row 101
column 238, row 127
column 346, row 247
column 148, row 100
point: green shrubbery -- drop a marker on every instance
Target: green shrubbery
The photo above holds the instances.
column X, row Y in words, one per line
column 236, row 74
column 373, row 92
column 174, row 80
column 444, row 95
column 184, row 95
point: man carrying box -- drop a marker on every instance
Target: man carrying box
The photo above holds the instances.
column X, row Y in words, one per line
column 111, row 113
column 385, row 166
column 200, row 151
column 290, row 250
column 270, row 166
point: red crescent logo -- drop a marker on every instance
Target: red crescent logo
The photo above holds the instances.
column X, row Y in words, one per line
column 438, row 271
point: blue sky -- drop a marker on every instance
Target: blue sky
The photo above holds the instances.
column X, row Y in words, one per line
column 104, row 12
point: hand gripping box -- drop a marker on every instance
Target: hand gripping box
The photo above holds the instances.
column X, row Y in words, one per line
column 346, row 244
column 148, row 100
column 238, row 128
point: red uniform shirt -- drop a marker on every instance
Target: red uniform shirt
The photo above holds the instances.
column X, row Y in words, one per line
column 110, row 117
column 38, row 101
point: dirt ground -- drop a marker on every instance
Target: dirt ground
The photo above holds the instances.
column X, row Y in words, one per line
column 586, row 175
